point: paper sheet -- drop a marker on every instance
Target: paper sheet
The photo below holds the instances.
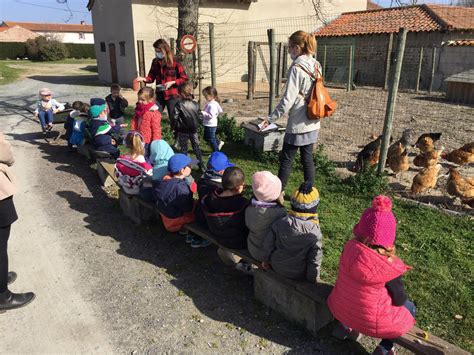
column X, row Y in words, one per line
column 268, row 128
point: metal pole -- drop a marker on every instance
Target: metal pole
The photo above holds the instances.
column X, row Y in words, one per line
column 387, row 61
column 433, row 66
column 324, row 65
column 199, row 73
column 418, row 75
column 213, row 54
column 349, row 74
column 392, row 98
column 271, row 42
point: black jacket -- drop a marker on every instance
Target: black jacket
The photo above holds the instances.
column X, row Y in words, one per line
column 187, row 116
column 117, row 106
column 225, row 217
column 209, row 182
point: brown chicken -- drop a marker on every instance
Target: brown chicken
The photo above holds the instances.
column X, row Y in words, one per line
column 398, row 159
column 461, row 156
column 369, row 155
column 426, row 141
column 459, row 186
column 424, row 160
column 426, row 179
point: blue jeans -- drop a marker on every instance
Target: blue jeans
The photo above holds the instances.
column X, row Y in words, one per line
column 45, row 117
column 210, row 137
column 387, row 344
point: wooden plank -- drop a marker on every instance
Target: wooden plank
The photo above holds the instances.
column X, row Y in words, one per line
column 109, row 168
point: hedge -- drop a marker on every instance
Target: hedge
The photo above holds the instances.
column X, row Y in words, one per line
column 12, row 50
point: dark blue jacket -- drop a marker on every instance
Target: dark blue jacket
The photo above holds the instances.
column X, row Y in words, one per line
column 173, row 197
column 101, row 132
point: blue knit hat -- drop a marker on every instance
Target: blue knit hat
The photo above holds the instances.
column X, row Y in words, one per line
column 98, row 105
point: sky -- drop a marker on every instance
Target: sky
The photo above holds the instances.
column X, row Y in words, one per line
column 56, row 11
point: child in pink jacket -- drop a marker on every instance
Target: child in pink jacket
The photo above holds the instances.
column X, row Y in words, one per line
column 369, row 296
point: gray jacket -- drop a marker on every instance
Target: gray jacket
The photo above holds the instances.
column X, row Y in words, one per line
column 299, row 84
column 259, row 220
column 293, row 246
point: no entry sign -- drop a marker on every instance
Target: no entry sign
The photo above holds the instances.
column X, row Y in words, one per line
column 188, row 43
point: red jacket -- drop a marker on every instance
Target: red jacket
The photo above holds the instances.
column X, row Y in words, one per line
column 360, row 299
column 149, row 125
column 164, row 74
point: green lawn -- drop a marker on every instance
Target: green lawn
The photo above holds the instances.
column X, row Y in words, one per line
column 8, row 74
column 438, row 246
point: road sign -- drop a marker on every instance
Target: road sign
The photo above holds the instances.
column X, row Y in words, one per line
column 188, row 44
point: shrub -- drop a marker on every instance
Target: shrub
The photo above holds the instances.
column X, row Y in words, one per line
column 80, row 50
column 368, row 182
column 12, row 50
column 42, row 48
column 228, row 130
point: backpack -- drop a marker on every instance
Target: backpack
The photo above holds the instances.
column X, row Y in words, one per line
column 320, row 104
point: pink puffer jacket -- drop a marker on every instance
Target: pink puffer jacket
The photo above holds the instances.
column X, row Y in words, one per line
column 359, row 298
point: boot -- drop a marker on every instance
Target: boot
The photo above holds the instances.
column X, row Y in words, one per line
column 11, row 277
column 10, row 300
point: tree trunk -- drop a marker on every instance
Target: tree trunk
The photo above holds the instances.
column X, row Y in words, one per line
column 188, row 19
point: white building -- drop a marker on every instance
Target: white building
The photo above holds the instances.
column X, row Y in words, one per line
column 66, row 33
column 119, row 25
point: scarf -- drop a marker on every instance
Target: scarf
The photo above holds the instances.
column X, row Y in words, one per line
column 313, row 217
column 140, row 108
column 257, row 203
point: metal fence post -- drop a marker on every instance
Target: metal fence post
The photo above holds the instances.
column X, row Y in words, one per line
column 213, row 54
column 392, row 98
column 433, row 67
column 349, row 74
column 271, row 41
column 418, row 75
column 387, row 61
column 250, row 64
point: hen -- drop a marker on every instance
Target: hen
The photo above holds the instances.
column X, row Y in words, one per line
column 459, row 186
column 429, row 158
column 461, row 156
column 426, row 141
column 398, row 158
column 426, row 179
column 369, row 155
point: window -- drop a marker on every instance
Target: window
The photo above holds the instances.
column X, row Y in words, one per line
column 102, row 46
column 122, row 49
column 82, row 35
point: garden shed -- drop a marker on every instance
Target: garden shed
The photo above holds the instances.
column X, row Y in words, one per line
column 461, row 87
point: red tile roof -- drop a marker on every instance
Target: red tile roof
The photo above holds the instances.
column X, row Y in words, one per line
column 418, row 18
column 49, row 27
column 373, row 6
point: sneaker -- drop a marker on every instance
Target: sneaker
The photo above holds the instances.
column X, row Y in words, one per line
column 380, row 350
column 221, row 144
column 244, row 267
column 50, row 127
column 202, row 243
column 189, row 238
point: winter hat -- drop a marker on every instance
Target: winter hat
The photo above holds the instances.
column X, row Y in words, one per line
column 97, row 106
column 45, row 92
column 305, row 199
column 377, row 225
column 266, row 186
column 218, row 161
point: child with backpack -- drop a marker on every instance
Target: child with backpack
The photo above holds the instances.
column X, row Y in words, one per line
column 131, row 168
column 369, row 296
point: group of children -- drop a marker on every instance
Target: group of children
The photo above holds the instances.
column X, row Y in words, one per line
column 368, row 297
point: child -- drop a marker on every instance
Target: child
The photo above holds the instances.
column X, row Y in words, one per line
column 293, row 246
column 265, row 208
column 131, row 168
column 147, row 118
column 369, row 296
column 79, row 125
column 101, row 130
column 46, row 108
column 69, row 124
column 224, row 210
column 210, row 113
column 186, row 121
column 174, row 194
column 116, row 104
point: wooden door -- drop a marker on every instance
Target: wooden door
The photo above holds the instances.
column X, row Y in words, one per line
column 113, row 62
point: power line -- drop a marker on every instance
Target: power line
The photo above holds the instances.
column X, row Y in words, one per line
column 51, row 7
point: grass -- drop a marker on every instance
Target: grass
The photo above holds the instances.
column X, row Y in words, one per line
column 8, row 74
column 437, row 246
column 62, row 61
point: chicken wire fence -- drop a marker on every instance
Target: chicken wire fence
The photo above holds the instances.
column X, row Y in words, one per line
column 436, row 90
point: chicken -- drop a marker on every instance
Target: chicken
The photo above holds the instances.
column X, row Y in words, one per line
column 427, row 159
column 426, row 179
column 369, row 155
column 426, row 141
column 459, row 186
column 461, row 156
column 398, row 159
column 404, row 140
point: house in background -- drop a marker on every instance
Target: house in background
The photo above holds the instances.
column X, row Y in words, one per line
column 66, row 33
column 16, row 34
column 119, row 25
column 369, row 33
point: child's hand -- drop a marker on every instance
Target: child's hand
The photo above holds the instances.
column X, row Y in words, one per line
column 114, row 142
column 123, row 125
column 266, row 266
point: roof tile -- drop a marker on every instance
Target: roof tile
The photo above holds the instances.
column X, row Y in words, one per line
column 50, row 27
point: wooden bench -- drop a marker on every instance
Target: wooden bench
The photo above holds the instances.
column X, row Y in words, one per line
column 106, row 171
column 138, row 210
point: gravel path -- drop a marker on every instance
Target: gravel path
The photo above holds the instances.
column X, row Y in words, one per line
column 105, row 285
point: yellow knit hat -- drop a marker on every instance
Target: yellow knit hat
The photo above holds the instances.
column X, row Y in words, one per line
column 305, row 199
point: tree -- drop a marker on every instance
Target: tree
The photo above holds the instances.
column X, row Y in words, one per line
column 467, row 3
column 188, row 21
column 398, row 3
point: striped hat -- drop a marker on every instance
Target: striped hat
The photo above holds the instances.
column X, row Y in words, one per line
column 305, row 199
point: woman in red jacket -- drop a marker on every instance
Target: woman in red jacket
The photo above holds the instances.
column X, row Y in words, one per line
column 168, row 74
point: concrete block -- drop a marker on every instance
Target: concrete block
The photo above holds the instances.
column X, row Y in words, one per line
column 293, row 300
column 104, row 176
column 134, row 209
column 85, row 150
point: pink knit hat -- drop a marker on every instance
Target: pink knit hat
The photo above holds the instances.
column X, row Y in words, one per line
column 377, row 225
column 266, row 186
column 45, row 92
